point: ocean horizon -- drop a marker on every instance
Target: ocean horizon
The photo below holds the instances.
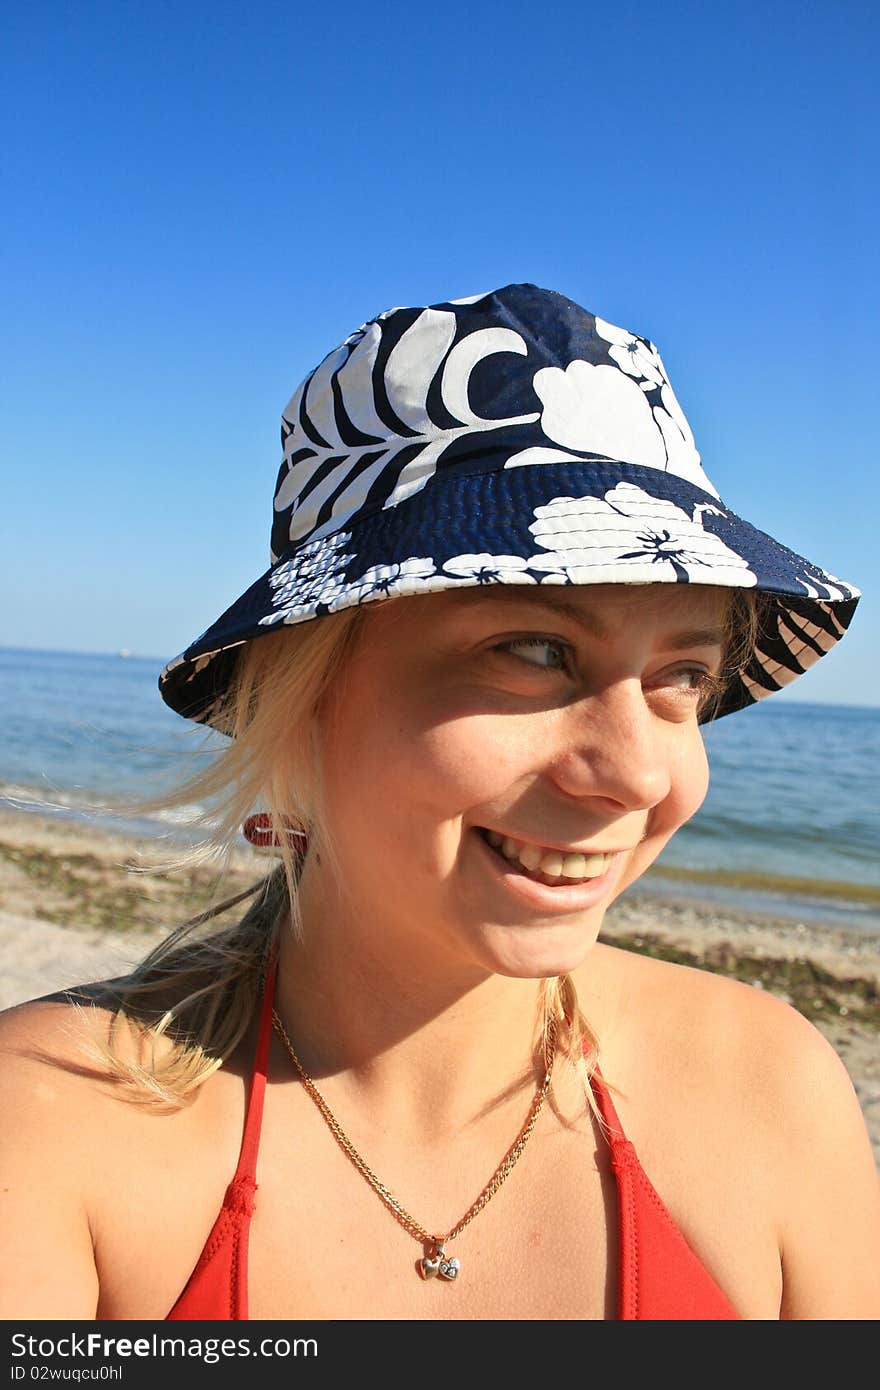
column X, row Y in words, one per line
column 159, row 662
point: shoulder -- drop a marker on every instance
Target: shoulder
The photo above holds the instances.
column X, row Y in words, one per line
column 75, row 1047
column 55, row 1076
column 778, row 1122
column 696, row 1002
column 60, row 1080
column 58, row 1031
column 718, row 1031
column 83, row 1166
column 50, row 1115
column 45, row 1038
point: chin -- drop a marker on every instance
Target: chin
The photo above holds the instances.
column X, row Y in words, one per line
column 538, row 951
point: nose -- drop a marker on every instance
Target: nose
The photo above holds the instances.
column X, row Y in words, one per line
column 611, row 746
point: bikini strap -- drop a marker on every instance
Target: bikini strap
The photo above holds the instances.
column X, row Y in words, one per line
column 247, row 1161
column 600, row 1090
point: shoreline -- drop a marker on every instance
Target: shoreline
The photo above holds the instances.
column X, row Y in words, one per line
column 851, row 904
column 81, row 903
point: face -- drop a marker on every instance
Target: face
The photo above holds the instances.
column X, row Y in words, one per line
column 562, row 719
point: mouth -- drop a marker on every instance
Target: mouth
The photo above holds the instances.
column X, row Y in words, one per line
column 576, row 880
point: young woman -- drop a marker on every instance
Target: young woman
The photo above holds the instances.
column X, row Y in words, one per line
column 467, row 695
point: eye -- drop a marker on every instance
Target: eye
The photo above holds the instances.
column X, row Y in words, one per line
column 690, row 680
column 535, row 644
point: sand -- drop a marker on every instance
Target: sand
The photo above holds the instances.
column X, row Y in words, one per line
column 73, row 908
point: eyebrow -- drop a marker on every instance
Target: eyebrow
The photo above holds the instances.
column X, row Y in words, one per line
column 686, row 637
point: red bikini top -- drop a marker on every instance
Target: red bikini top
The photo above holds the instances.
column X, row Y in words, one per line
column 660, row 1277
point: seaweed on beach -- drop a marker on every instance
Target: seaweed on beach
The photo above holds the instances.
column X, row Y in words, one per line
column 82, row 890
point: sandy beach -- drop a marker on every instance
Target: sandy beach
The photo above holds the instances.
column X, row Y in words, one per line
column 74, row 908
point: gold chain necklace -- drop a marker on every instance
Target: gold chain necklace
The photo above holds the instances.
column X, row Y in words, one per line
column 435, row 1263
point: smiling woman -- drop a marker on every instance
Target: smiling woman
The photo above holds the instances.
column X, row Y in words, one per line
column 464, row 709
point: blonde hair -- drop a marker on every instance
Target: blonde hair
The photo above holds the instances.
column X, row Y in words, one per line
column 198, row 991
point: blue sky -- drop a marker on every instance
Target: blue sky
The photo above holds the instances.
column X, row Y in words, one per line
column 203, row 199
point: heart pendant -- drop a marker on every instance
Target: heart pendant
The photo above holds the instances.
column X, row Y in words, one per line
column 436, row 1265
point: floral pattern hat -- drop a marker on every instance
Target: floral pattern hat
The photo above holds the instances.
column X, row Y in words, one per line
column 506, row 438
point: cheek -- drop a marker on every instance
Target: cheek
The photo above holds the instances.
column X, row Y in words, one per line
column 419, row 771
column 688, row 784
column 437, row 775
column 689, row 781
column 687, row 791
column 468, row 759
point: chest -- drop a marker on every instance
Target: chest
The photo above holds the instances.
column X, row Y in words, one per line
column 327, row 1246
column 323, row 1245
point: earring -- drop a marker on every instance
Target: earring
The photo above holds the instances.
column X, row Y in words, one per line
column 257, row 830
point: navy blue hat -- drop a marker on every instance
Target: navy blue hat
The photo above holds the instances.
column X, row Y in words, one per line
column 507, row 438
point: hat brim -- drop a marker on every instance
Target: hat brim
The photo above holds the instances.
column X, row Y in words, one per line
column 591, row 522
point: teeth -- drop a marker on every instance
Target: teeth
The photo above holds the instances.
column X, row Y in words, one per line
column 530, row 856
column 550, row 862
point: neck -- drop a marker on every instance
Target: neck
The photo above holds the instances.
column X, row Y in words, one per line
column 407, row 1033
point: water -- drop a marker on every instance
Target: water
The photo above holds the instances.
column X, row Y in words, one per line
column 793, row 802
column 794, row 793
column 85, row 731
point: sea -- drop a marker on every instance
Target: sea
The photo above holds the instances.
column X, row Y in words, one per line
column 790, row 826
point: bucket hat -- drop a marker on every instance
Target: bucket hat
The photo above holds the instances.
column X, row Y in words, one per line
column 510, row 437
